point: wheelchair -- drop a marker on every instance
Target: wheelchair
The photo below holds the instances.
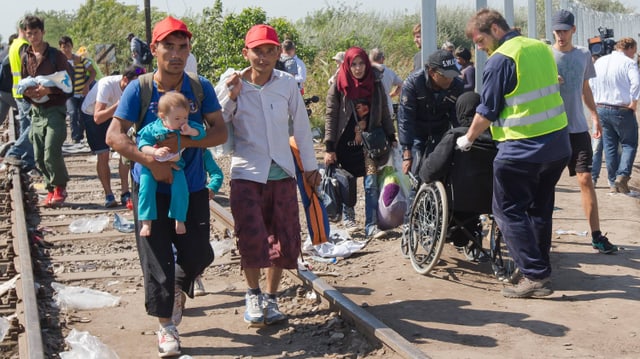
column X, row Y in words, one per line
column 455, row 203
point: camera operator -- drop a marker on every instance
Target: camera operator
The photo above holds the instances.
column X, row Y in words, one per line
column 616, row 89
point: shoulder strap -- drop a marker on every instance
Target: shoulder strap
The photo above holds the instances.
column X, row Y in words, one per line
column 196, row 87
column 146, row 90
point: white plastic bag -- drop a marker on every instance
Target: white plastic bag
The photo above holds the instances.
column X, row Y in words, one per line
column 86, row 224
column 4, row 327
column 86, row 346
column 69, row 298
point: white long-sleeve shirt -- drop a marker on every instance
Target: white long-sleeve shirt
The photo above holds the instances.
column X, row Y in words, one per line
column 617, row 80
column 260, row 118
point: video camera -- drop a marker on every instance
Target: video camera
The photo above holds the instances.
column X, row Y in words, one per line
column 602, row 44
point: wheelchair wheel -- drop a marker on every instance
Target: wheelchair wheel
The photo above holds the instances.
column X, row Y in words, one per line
column 428, row 225
column 504, row 268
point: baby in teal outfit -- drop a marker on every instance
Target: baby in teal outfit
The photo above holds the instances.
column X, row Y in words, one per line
column 173, row 113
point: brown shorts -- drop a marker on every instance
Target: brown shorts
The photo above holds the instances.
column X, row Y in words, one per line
column 267, row 222
column 581, row 153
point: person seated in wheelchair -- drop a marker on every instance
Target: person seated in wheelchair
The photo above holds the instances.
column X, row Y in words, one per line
column 468, row 176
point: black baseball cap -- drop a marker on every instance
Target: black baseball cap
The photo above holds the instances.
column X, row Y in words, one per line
column 562, row 20
column 444, row 62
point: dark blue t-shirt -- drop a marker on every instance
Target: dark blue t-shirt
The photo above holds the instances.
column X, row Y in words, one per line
column 129, row 109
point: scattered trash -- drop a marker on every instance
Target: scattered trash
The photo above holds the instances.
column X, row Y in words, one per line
column 69, row 298
column 122, row 224
column 340, row 245
column 575, row 233
column 10, row 284
column 324, row 260
column 222, row 247
column 86, row 225
column 4, row 327
column 84, row 345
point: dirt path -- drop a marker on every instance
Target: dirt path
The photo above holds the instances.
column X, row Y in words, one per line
column 458, row 312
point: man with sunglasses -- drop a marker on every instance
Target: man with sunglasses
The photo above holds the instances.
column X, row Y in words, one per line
column 427, row 110
column 167, row 278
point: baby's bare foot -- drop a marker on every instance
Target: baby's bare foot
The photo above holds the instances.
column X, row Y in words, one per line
column 180, row 228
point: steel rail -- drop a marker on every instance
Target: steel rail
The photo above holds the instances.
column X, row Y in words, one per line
column 32, row 336
column 368, row 324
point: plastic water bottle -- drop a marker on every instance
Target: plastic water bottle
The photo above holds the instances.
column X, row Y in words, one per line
column 122, row 224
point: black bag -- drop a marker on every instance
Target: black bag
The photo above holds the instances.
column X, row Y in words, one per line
column 6, row 77
column 346, row 184
column 331, row 198
column 375, row 143
column 145, row 53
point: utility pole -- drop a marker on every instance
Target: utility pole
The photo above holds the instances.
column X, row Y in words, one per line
column 147, row 26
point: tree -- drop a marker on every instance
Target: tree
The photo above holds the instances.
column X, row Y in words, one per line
column 109, row 22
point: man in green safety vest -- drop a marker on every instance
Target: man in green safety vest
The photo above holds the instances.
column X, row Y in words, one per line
column 521, row 102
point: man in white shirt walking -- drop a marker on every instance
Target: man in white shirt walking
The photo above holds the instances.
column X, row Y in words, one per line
column 263, row 197
column 616, row 90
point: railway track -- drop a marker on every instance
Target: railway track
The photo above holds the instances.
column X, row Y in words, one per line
column 105, row 261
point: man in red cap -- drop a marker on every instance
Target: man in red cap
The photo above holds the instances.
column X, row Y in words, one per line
column 165, row 279
column 260, row 104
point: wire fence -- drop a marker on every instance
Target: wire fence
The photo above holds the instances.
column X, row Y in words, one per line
column 588, row 21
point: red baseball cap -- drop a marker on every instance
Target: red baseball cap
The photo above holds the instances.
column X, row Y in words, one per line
column 166, row 26
column 259, row 35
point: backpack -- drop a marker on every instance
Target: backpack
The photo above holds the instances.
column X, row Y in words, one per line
column 6, row 77
column 145, row 53
column 146, row 91
column 288, row 64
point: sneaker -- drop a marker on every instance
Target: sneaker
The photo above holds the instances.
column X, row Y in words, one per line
column 125, row 198
column 179, row 301
column 59, row 195
column 603, row 245
column 110, row 201
column 272, row 313
column 377, row 234
column 253, row 314
column 613, row 189
column 350, row 225
column 622, row 184
column 528, row 288
column 47, row 201
column 199, row 290
column 168, row 342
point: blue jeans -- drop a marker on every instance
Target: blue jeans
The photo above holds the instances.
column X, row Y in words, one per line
column 23, row 149
column 619, row 129
column 75, row 118
column 371, row 195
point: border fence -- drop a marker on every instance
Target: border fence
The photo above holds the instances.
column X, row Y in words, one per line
column 588, row 21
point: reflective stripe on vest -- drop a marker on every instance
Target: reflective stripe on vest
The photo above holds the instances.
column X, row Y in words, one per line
column 534, row 108
column 16, row 63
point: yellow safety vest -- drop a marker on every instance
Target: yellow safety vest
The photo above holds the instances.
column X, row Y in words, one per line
column 534, row 108
column 16, row 63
